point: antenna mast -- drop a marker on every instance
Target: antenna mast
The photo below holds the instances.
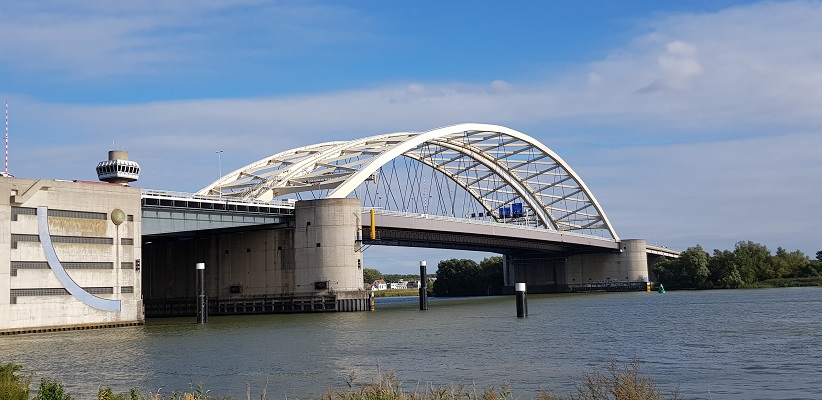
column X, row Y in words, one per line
column 7, row 139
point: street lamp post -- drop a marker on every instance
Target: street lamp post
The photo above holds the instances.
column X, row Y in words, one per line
column 219, row 172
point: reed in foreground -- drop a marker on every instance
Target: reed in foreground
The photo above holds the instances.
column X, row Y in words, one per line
column 388, row 387
column 13, row 386
column 617, row 382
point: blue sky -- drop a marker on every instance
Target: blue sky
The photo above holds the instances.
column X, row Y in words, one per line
column 692, row 122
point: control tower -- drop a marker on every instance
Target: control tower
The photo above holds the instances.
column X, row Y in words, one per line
column 118, row 168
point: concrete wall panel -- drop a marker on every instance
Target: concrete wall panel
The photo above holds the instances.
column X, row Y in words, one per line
column 85, row 210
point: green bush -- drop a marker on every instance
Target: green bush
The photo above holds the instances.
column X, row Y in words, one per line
column 789, row 282
column 388, row 387
column 617, row 383
column 12, row 386
column 51, row 390
column 107, row 394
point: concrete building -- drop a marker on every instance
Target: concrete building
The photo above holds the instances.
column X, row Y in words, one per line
column 73, row 255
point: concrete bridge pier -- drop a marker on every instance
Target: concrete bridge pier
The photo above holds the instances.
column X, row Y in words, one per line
column 328, row 252
column 626, row 269
column 629, row 265
column 313, row 265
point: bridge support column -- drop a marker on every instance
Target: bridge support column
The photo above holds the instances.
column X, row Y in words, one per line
column 628, row 266
column 314, row 265
column 328, row 251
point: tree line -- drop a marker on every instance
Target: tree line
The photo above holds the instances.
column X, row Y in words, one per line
column 455, row 277
column 463, row 277
column 749, row 264
column 369, row 275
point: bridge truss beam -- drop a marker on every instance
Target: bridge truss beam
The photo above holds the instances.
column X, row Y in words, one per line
column 494, row 165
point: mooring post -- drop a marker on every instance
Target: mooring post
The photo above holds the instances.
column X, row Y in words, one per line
column 423, row 287
column 522, row 302
column 202, row 300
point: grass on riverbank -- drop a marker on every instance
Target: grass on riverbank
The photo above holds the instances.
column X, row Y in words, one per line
column 396, row 293
column 12, row 385
column 617, row 382
column 787, row 282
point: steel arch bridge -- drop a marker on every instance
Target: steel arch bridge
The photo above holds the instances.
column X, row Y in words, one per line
column 470, row 170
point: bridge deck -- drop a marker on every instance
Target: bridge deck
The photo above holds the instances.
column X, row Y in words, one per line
column 408, row 229
column 176, row 213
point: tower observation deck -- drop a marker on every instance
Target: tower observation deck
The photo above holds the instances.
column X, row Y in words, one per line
column 118, row 168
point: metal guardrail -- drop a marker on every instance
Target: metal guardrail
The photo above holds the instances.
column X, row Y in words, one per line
column 477, row 222
column 183, row 196
column 663, row 251
column 289, row 204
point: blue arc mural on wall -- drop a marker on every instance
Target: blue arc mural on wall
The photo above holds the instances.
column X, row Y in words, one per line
column 72, row 287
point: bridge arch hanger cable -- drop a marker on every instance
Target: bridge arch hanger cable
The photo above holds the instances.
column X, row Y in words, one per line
column 520, row 166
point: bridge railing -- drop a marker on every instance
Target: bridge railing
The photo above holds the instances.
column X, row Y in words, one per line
column 476, row 222
column 172, row 195
column 663, row 251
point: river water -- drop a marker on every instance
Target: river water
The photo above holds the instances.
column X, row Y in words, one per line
column 722, row 344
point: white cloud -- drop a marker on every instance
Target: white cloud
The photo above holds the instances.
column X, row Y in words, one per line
column 594, row 78
column 713, row 192
column 723, row 148
column 679, row 64
column 680, row 49
column 500, row 86
column 93, row 39
column 746, row 65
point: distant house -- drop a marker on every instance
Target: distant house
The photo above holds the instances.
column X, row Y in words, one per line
column 379, row 284
column 398, row 285
column 413, row 285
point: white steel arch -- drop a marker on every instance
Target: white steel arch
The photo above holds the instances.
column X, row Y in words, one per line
column 495, row 165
